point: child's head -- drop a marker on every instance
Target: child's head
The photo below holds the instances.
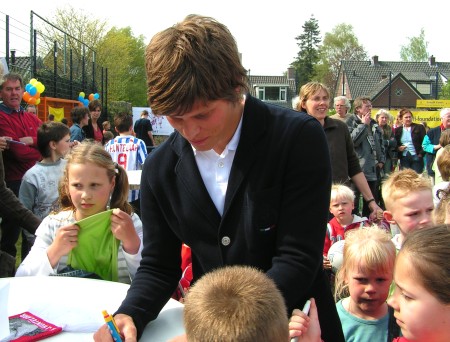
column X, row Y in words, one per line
column 408, row 199
column 443, row 162
column 107, row 136
column 123, row 122
column 91, row 179
column 421, row 300
column 441, row 213
column 106, row 125
column 53, row 137
column 235, row 303
column 342, row 202
column 80, row 115
column 367, row 268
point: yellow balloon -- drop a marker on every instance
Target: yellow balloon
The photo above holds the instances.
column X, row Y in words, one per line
column 82, row 94
column 40, row 87
column 33, row 81
column 38, row 101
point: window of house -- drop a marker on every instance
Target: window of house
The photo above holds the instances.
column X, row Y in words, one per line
column 272, row 93
column 423, row 88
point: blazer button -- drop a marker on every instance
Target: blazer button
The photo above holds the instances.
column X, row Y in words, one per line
column 226, row 241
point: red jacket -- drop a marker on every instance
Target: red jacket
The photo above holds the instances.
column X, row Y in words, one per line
column 19, row 158
column 336, row 232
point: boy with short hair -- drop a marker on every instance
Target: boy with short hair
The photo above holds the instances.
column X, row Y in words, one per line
column 341, row 206
column 235, row 303
column 409, row 202
column 127, row 151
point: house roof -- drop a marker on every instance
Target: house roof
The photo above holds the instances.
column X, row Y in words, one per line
column 280, row 81
column 369, row 77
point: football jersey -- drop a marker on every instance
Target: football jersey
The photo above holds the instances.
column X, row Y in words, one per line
column 130, row 153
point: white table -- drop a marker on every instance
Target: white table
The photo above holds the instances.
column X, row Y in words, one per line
column 76, row 304
column 134, row 179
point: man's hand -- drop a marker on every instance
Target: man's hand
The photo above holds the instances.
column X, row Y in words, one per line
column 126, row 326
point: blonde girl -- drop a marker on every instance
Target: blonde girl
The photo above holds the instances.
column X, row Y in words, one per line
column 363, row 284
column 421, row 299
column 91, row 183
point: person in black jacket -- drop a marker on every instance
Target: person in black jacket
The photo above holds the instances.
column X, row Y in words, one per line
column 229, row 182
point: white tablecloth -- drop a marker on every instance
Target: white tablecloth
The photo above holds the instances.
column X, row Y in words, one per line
column 76, row 304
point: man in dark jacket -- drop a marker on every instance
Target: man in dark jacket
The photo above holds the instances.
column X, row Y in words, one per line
column 229, row 182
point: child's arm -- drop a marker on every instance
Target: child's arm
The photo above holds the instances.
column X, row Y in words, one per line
column 123, row 229
column 306, row 327
column 66, row 239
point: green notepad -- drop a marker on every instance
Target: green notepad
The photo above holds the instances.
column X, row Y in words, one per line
column 97, row 247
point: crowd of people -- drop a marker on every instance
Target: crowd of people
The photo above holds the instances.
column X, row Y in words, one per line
column 359, row 230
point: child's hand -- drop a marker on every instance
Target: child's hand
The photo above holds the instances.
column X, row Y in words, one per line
column 326, row 263
column 66, row 239
column 122, row 228
column 306, row 327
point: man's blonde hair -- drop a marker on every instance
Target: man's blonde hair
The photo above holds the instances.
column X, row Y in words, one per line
column 400, row 183
column 235, row 303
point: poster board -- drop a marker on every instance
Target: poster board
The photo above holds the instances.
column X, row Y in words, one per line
column 160, row 124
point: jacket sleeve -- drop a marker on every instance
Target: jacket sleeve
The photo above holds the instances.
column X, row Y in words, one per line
column 427, row 145
column 358, row 132
column 12, row 208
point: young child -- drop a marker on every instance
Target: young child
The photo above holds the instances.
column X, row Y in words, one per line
column 443, row 165
column 421, row 300
column 39, row 188
column 127, row 151
column 409, row 202
column 235, row 303
column 91, row 182
column 441, row 213
column 364, row 280
column 341, row 206
column 106, row 126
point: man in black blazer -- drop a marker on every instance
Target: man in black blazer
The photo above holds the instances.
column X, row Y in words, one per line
column 240, row 181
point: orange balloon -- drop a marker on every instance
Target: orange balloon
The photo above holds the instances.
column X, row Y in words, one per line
column 91, row 97
column 32, row 101
column 26, row 96
column 37, row 95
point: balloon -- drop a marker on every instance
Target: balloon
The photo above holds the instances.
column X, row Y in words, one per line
column 26, row 96
column 80, row 98
column 38, row 101
column 91, row 97
column 27, row 87
column 33, row 81
column 81, row 94
column 85, row 102
column 40, row 87
column 32, row 101
column 36, row 96
column 96, row 96
column 32, row 90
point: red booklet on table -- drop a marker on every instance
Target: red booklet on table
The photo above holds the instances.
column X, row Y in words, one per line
column 27, row 327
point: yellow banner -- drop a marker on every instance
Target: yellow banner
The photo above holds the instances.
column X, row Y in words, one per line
column 432, row 118
column 57, row 112
column 432, row 103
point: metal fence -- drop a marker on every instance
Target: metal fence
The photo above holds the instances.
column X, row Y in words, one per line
column 63, row 63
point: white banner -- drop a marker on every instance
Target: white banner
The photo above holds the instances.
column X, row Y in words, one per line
column 160, row 124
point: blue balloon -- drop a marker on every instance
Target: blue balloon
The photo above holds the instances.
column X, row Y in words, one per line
column 81, row 98
column 96, row 96
column 86, row 102
column 27, row 87
column 32, row 91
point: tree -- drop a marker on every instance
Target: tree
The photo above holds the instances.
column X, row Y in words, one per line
column 308, row 56
column 416, row 49
column 445, row 92
column 341, row 44
column 123, row 55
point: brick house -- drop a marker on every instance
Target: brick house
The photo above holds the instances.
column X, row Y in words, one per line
column 392, row 84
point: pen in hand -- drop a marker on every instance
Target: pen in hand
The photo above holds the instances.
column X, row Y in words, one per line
column 112, row 326
column 305, row 310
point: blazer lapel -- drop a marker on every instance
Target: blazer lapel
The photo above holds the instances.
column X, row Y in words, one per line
column 189, row 175
column 249, row 147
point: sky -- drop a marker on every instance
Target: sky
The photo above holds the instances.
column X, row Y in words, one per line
column 265, row 31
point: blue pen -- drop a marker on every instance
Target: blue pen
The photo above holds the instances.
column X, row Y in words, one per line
column 112, row 326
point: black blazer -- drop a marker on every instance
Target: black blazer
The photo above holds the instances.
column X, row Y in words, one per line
column 275, row 214
column 417, row 134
